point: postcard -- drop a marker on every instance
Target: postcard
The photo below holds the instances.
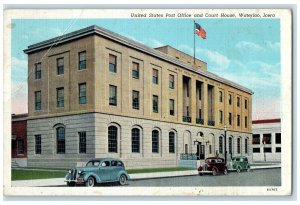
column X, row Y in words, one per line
column 148, row 102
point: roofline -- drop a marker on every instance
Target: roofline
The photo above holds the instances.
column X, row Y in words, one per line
column 91, row 30
column 265, row 121
column 181, row 52
column 19, row 117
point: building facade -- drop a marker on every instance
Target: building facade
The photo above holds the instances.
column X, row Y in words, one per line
column 19, row 140
column 94, row 93
column 266, row 140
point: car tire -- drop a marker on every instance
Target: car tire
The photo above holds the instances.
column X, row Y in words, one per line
column 90, row 182
column 122, row 180
column 248, row 169
column 214, row 172
column 238, row 169
column 70, row 183
column 200, row 174
column 225, row 171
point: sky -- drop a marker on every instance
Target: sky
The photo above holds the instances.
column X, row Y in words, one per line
column 245, row 51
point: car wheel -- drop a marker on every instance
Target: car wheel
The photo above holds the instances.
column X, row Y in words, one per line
column 248, row 169
column 70, row 183
column 225, row 171
column 200, row 174
column 122, row 179
column 214, row 172
column 90, row 182
column 238, row 170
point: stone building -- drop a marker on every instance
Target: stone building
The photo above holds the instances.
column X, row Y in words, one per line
column 266, row 141
column 94, row 93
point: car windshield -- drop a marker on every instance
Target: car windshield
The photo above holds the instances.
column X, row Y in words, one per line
column 93, row 164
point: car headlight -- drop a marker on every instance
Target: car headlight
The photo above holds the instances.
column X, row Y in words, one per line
column 79, row 172
column 70, row 171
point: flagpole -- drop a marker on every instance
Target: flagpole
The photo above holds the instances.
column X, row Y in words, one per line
column 194, row 43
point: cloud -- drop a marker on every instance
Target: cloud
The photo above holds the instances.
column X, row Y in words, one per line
column 19, row 69
column 266, row 108
column 273, row 45
column 249, row 45
column 218, row 60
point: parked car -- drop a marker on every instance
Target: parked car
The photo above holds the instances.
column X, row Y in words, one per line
column 213, row 165
column 240, row 163
column 99, row 170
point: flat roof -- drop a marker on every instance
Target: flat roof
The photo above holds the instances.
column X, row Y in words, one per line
column 277, row 120
column 96, row 30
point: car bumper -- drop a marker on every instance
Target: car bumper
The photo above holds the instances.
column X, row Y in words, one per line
column 77, row 181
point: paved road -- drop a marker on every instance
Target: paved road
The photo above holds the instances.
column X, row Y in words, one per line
column 263, row 177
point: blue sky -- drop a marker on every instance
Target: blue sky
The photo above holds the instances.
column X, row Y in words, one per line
column 246, row 51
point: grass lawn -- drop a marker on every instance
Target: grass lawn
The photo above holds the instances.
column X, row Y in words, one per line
column 35, row 174
column 23, row 174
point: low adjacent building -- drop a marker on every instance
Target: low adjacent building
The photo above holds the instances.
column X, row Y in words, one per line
column 266, row 140
column 19, row 140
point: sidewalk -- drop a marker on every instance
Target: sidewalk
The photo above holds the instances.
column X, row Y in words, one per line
column 60, row 181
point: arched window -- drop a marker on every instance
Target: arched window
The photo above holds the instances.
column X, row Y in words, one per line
column 230, row 145
column 171, row 142
column 238, row 145
column 155, row 141
column 60, row 140
column 246, row 146
column 221, row 145
column 135, row 140
column 112, row 139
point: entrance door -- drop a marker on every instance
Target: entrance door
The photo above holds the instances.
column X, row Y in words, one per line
column 202, row 152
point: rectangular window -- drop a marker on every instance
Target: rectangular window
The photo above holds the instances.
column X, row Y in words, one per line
column 230, row 99
column 59, row 97
column 238, row 120
column 246, row 122
column 38, row 144
column 238, row 101
column 200, row 114
column 38, row 100
column 38, row 71
column 246, row 146
column 255, row 139
column 20, row 147
column 82, row 142
column 112, row 63
column 230, row 118
column 220, row 116
column 210, row 149
column 171, row 81
column 239, row 145
column 278, row 149
column 246, row 104
column 135, row 70
column 172, row 108
column 266, row 138
column 268, row 149
column 200, row 96
column 135, row 100
column 187, row 111
column 82, row 93
column 60, row 66
column 278, row 138
column 155, row 103
column 256, row 150
column 113, row 95
column 155, row 76
column 220, row 96
column 82, row 60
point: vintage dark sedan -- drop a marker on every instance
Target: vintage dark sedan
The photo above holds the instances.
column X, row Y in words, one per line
column 213, row 165
column 99, row 170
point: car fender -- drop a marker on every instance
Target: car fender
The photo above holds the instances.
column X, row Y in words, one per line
column 87, row 175
column 122, row 172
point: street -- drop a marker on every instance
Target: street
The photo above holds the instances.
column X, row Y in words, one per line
column 261, row 177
